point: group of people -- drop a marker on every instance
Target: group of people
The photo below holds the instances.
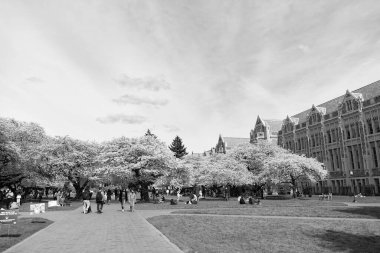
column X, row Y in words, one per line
column 103, row 197
column 7, row 197
column 241, row 200
column 193, row 199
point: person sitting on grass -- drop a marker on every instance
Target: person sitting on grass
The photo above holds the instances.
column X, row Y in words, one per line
column 178, row 195
column 193, row 199
column 241, row 200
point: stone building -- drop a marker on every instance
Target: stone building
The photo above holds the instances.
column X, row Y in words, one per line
column 265, row 130
column 227, row 143
column 344, row 134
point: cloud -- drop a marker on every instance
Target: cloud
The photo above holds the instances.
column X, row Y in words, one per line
column 148, row 83
column 34, row 79
column 171, row 128
column 131, row 99
column 303, row 48
column 122, row 118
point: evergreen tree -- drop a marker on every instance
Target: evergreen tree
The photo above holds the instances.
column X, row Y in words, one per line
column 178, row 148
column 148, row 133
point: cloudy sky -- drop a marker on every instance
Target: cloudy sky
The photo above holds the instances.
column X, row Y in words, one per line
column 95, row 70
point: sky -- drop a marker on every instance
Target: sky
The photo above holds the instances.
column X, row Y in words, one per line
column 97, row 70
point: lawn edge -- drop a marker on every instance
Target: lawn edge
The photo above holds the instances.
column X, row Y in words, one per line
column 31, row 236
column 162, row 235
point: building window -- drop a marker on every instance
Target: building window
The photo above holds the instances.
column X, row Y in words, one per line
column 376, row 123
column 349, row 105
column 348, row 135
column 369, row 124
column 352, row 158
column 374, row 154
column 357, row 128
column 358, row 156
column 333, row 135
column 331, row 160
column 353, row 132
column 328, row 136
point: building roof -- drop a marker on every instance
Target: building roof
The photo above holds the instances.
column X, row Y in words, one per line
column 369, row 91
column 275, row 124
column 234, row 141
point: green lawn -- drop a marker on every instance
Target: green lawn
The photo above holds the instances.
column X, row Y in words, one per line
column 235, row 234
column 308, row 211
column 197, row 233
column 232, row 203
column 24, row 228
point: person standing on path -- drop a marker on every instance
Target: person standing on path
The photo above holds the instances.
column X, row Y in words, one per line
column 132, row 200
column 123, row 197
column 109, row 194
column 99, row 200
column 86, row 200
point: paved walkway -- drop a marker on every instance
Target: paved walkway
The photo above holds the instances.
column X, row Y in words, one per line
column 111, row 231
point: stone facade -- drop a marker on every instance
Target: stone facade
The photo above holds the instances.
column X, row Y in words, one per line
column 265, row 130
column 344, row 134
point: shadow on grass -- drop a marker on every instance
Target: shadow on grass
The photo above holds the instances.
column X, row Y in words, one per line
column 367, row 210
column 10, row 235
column 38, row 221
column 337, row 241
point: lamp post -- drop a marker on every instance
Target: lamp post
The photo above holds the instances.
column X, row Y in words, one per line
column 351, row 174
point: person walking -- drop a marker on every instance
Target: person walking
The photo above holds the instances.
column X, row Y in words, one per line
column 99, row 200
column 86, row 201
column 18, row 199
column 9, row 198
column 109, row 194
column 123, row 197
column 132, row 200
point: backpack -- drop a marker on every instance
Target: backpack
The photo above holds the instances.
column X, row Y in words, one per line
column 99, row 197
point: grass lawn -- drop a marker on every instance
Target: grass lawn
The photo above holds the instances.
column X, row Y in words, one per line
column 234, row 234
column 24, row 228
column 25, row 207
column 308, row 211
column 232, row 203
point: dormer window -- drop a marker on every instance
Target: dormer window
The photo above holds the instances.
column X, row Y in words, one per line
column 349, row 105
column 350, row 102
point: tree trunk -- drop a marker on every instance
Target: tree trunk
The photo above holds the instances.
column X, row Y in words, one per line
column 79, row 188
column 294, row 187
column 144, row 192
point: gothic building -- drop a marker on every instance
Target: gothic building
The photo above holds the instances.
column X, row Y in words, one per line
column 344, row 134
column 227, row 143
column 265, row 130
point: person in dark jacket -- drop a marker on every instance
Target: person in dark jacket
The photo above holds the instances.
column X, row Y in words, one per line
column 100, row 200
column 123, row 197
column 109, row 194
column 86, row 201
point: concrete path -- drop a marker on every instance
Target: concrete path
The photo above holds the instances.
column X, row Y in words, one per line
column 111, row 231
